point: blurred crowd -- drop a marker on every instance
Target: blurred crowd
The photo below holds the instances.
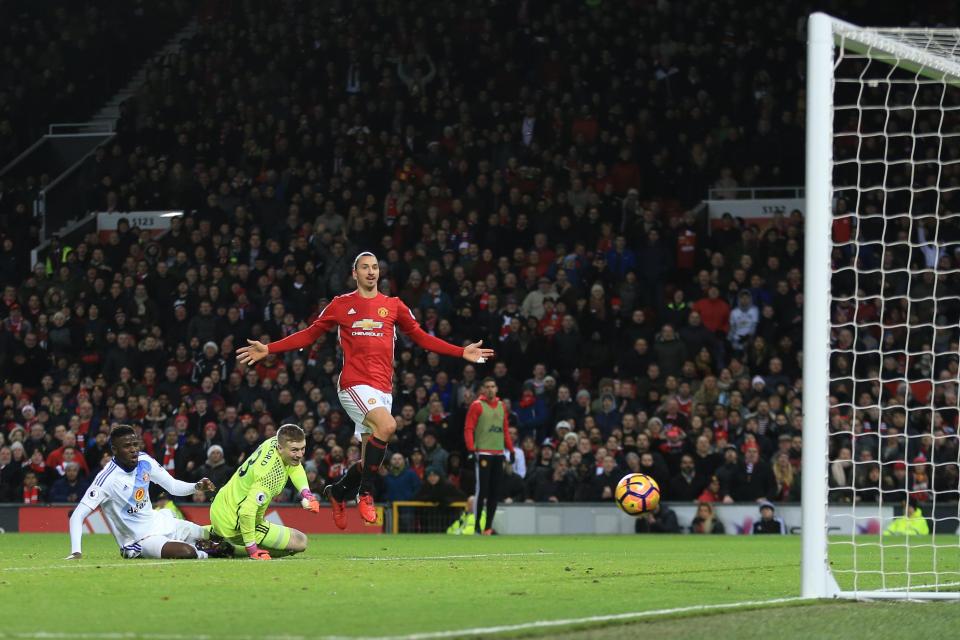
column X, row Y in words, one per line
column 61, row 61
column 526, row 173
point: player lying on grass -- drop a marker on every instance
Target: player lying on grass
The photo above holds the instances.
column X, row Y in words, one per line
column 122, row 491
column 367, row 323
column 237, row 511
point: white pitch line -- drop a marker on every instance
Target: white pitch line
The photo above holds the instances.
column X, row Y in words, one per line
column 546, row 624
column 133, row 564
column 429, row 635
column 132, row 635
column 80, row 564
column 466, row 556
column 129, row 635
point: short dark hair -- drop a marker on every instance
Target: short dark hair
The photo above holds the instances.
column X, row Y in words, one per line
column 488, row 379
column 120, row 431
column 290, row 433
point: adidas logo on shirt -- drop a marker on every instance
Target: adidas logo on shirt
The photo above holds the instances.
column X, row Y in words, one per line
column 351, row 312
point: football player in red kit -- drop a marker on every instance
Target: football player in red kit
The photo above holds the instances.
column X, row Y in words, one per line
column 366, row 323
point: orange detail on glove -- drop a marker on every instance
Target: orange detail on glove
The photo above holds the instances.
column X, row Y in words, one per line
column 256, row 553
column 308, row 501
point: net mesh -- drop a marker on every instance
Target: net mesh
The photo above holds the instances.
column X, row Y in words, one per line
column 895, row 312
column 941, row 43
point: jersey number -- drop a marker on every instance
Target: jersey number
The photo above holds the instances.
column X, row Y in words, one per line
column 249, row 463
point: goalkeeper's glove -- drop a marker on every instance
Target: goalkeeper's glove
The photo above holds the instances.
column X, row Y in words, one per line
column 256, row 553
column 309, row 502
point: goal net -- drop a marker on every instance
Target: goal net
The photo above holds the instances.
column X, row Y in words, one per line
column 882, row 313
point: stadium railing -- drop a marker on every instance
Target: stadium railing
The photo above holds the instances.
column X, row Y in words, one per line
column 413, row 516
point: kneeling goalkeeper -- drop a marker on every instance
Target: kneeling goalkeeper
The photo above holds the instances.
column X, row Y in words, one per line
column 237, row 511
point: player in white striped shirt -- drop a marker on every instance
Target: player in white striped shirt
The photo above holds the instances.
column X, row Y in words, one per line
column 122, row 492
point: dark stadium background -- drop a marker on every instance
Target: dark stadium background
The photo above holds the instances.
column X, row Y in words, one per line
column 528, row 173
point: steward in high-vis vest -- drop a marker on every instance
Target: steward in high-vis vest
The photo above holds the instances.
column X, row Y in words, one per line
column 911, row 523
column 487, row 434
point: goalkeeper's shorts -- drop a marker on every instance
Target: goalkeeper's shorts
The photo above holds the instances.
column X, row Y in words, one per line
column 268, row 535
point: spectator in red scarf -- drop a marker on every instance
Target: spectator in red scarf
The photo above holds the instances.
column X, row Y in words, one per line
column 168, row 450
column 32, row 491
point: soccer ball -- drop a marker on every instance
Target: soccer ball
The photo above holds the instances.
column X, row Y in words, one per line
column 637, row 493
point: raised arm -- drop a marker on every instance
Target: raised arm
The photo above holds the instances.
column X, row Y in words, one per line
column 256, row 350
column 409, row 325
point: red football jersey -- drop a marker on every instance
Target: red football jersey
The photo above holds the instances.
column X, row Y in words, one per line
column 367, row 329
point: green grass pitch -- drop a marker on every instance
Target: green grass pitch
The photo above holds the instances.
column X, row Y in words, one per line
column 439, row 587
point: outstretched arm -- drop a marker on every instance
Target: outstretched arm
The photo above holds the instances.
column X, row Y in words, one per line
column 256, row 351
column 176, row 487
column 409, row 325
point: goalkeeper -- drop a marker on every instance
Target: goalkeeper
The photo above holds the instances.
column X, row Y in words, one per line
column 237, row 511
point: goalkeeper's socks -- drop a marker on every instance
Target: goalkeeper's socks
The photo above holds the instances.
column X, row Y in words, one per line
column 373, row 457
column 347, row 484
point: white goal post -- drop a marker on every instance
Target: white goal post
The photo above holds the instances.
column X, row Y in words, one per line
column 881, row 303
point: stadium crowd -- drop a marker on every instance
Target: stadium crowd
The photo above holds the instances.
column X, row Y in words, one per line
column 526, row 173
column 59, row 63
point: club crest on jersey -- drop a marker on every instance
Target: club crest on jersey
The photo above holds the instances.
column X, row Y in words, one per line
column 372, row 401
column 383, row 312
column 139, row 493
column 367, row 324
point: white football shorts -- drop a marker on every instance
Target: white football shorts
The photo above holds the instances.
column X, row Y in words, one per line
column 166, row 529
column 357, row 401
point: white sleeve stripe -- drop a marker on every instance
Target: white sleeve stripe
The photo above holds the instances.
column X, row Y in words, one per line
column 329, row 304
